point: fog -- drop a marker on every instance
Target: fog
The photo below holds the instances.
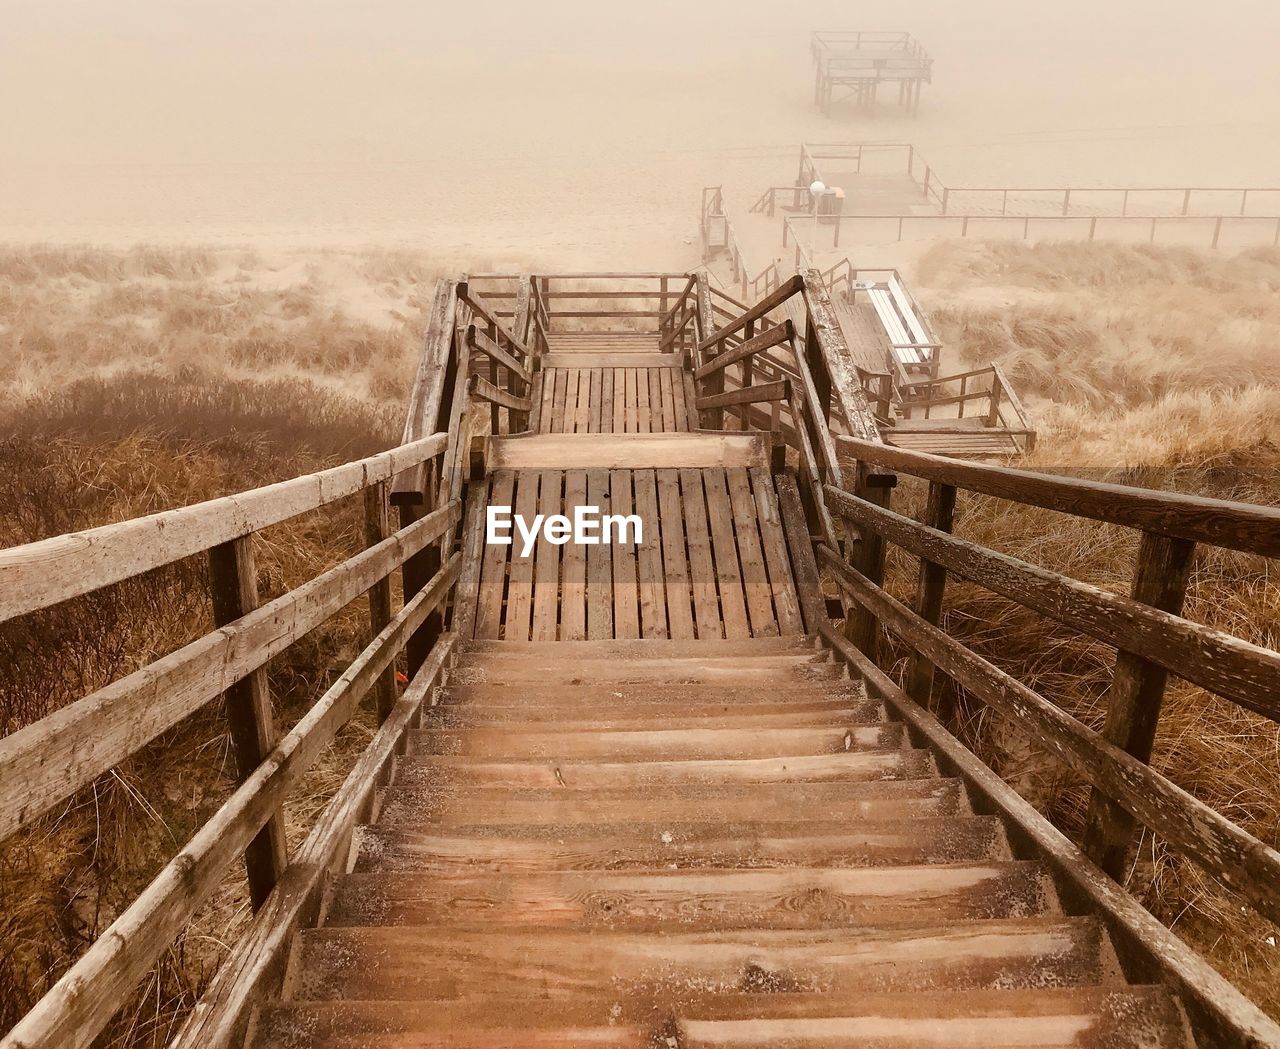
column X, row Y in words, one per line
column 575, row 129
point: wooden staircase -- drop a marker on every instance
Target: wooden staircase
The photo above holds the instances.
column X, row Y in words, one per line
column 678, row 844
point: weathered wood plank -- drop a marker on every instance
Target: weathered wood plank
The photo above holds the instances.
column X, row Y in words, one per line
column 44, row 573
column 573, row 598
column 653, row 602
column 626, row 595
column 1137, row 693
column 53, row 758
column 728, row 572
column 769, row 391
column 632, row 451
column 493, row 572
column 675, row 564
column 774, row 542
column 486, row 391
column 774, row 336
column 755, row 578
column 481, row 342
column 516, row 622
column 599, row 566
column 702, row 570
column 233, row 583
column 546, row 583
column 800, row 546
column 427, row 396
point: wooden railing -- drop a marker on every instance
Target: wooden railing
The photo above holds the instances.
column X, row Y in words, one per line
column 48, row 761
column 984, row 393
column 1146, row 627
column 1152, row 639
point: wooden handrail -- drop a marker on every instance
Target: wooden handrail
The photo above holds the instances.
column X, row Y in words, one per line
column 774, row 336
column 481, row 342
column 769, row 303
column 437, row 366
column 51, row 759
column 43, row 573
column 83, row 1001
column 486, row 391
column 1218, row 522
column 1232, row 854
column 257, row 958
column 482, row 309
column 1220, row 1014
column 1216, row 661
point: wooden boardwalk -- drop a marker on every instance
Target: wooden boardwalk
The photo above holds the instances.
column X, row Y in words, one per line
column 667, row 793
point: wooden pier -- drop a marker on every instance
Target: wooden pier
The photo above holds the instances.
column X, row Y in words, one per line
column 663, row 793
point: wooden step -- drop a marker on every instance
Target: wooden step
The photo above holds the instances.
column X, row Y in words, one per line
column 797, row 898
column 426, row 771
column 627, row 451
column 643, row 743
column 388, row 963
column 780, row 671
column 694, row 844
column 646, row 357
column 625, row 699
column 641, row 648
column 1046, row 1018
column 886, row 799
column 518, row 718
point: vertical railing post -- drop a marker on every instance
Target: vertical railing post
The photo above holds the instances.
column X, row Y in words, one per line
column 713, row 418
column 377, row 527
column 1137, row 692
column 939, row 513
column 233, row 579
column 868, row 557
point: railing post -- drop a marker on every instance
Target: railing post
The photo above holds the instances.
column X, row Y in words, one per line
column 1137, row 691
column 868, row 557
column 713, row 418
column 377, row 526
column 233, row 579
column 939, row 513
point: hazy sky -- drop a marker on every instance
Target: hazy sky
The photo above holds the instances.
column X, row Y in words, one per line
column 511, row 91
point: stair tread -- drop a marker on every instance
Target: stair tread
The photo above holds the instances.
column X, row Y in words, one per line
column 1046, row 1018
column 519, row 720
column 623, row 697
column 849, row 800
column 867, row 763
column 386, row 962
column 699, row 843
column 644, row 742
column 795, row 898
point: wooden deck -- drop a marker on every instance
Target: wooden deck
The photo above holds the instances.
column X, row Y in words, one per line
column 713, row 563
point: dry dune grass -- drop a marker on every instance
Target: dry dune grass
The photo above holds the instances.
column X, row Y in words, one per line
column 1149, row 367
